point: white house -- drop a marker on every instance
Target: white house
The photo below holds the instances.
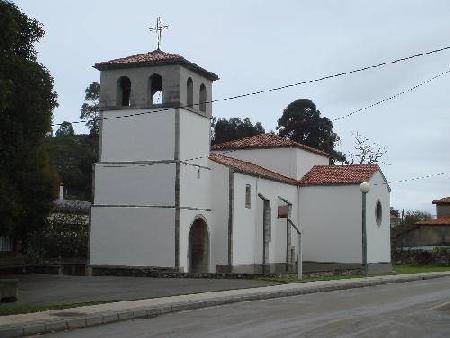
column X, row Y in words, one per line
column 164, row 200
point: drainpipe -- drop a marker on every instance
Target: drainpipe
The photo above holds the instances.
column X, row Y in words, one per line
column 299, row 240
column 256, row 225
column 264, row 235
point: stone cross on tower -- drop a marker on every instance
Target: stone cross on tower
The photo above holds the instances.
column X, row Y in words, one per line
column 158, row 30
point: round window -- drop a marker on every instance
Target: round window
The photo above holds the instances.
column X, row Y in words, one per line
column 378, row 213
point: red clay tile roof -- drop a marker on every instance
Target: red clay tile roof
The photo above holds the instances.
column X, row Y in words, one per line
column 445, row 200
column 250, row 168
column 444, row 220
column 339, row 174
column 265, row 141
column 155, row 58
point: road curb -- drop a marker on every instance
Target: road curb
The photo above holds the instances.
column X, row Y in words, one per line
column 136, row 310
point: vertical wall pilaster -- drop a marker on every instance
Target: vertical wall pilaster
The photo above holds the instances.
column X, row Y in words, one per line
column 177, row 187
column 230, row 216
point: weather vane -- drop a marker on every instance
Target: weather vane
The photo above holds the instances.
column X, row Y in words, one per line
column 158, row 30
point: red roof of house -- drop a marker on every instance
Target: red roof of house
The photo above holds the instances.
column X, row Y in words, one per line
column 444, row 220
column 154, row 58
column 250, row 168
column 265, row 141
column 445, row 200
column 339, row 174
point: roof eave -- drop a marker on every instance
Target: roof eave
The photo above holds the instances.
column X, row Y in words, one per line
column 384, row 177
column 314, row 151
column 101, row 66
column 440, row 202
column 240, row 171
column 327, row 184
column 433, row 224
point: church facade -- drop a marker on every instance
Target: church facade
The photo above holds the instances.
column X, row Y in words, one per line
column 165, row 200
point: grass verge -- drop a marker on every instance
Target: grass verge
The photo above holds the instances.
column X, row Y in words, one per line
column 284, row 279
column 7, row 309
column 397, row 269
column 411, row 268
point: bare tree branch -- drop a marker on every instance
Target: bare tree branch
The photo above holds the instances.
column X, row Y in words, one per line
column 365, row 151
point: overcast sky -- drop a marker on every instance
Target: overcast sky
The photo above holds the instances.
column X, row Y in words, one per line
column 253, row 45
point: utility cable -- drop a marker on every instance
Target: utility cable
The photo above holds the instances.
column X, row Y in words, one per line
column 322, row 78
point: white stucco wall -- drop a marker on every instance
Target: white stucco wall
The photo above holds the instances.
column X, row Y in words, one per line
column 331, row 220
column 281, row 160
column 194, row 137
column 278, row 240
column 291, row 162
column 128, row 184
column 194, row 187
column 248, row 223
column 132, row 236
column 194, row 180
column 306, row 160
column 195, row 195
column 246, row 236
column 147, row 137
column 218, row 225
column 378, row 237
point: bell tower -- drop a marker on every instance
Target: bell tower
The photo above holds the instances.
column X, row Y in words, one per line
column 152, row 178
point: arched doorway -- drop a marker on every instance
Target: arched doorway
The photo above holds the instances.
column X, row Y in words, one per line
column 198, row 247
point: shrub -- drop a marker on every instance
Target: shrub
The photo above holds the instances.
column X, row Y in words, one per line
column 439, row 256
column 64, row 236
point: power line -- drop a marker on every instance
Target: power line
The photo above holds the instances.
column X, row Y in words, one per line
column 391, row 97
column 405, row 180
column 124, row 165
column 322, row 78
column 148, row 163
column 301, row 83
column 419, row 178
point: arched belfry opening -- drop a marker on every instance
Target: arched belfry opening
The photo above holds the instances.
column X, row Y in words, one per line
column 190, row 92
column 198, row 247
column 123, row 91
column 202, row 98
column 155, row 89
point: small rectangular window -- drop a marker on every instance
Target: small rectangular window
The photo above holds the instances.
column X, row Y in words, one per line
column 248, row 196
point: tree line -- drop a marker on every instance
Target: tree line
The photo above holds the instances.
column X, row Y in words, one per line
column 28, row 183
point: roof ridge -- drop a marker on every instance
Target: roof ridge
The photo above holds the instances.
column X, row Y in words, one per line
column 312, row 177
column 265, row 142
column 135, row 55
column 347, row 165
column 442, row 220
column 154, row 58
column 339, row 174
column 443, row 200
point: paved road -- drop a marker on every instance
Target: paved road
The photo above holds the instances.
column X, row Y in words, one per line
column 415, row 309
column 53, row 289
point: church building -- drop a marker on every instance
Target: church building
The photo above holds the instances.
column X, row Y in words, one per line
column 164, row 199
